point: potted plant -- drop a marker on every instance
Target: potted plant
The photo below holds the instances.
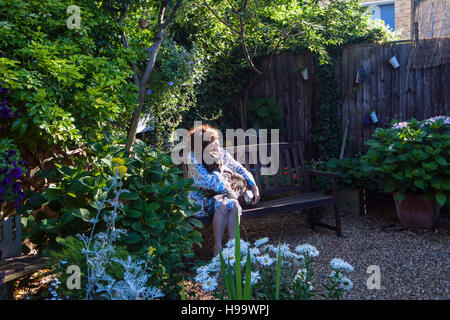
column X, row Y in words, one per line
column 411, row 160
column 351, row 182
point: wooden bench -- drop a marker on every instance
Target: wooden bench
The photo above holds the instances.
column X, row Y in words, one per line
column 13, row 265
column 292, row 176
column 14, row 268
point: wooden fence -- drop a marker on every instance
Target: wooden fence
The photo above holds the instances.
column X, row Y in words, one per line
column 285, row 84
column 414, row 90
column 400, row 94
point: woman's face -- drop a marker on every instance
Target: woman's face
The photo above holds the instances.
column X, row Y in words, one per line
column 215, row 144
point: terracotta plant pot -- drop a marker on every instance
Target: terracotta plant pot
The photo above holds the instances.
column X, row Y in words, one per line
column 413, row 211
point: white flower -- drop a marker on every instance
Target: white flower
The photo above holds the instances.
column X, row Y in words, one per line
column 255, row 277
column 307, row 249
column 299, row 258
column 336, row 274
column 341, row 265
column 254, row 252
column 209, row 284
column 261, row 241
column 201, row 277
column 265, row 260
column 345, row 284
column 301, row 275
column 203, row 269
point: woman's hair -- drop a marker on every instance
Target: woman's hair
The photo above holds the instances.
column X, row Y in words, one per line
column 204, row 133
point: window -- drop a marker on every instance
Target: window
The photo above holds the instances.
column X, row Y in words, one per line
column 384, row 10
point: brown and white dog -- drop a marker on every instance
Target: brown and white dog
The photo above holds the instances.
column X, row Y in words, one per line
column 236, row 184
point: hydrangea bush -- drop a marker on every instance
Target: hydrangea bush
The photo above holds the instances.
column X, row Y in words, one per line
column 294, row 266
column 412, row 158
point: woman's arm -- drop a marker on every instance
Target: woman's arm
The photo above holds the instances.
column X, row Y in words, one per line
column 235, row 166
column 203, row 179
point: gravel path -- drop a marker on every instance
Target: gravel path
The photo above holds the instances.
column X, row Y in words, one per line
column 414, row 263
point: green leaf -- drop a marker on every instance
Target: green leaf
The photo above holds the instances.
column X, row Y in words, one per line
column 419, row 184
column 52, row 194
column 441, row 199
column 128, row 195
column 133, row 238
column 441, row 161
column 83, row 214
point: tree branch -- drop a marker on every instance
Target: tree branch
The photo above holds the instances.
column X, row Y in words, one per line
column 218, row 18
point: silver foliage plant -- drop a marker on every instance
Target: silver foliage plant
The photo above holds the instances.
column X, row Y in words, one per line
column 99, row 251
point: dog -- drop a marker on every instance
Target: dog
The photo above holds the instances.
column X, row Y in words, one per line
column 236, row 183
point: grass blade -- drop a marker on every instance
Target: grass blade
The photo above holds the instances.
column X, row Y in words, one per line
column 237, row 260
column 278, row 276
column 248, row 278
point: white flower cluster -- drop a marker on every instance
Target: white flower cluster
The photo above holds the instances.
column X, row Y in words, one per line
column 339, row 266
column 261, row 255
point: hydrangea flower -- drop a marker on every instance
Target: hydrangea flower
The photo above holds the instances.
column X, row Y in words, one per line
column 400, row 125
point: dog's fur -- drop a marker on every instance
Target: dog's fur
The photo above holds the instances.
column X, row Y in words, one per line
column 237, row 182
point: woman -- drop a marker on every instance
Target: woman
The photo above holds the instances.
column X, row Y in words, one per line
column 224, row 210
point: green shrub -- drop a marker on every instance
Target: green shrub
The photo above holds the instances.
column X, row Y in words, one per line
column 412, row 158
column 154, row 207
column 350, row 171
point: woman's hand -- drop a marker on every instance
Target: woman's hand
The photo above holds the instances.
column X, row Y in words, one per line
column 226, row 169
column 256, row 195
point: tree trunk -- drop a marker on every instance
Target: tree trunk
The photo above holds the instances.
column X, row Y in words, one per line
column 135, row 121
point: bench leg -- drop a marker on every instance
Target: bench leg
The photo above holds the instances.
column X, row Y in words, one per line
column 7, row 290
column 312, row 217
column 337, row 216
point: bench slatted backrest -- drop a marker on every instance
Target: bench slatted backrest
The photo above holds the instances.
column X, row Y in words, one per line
column 290, row 173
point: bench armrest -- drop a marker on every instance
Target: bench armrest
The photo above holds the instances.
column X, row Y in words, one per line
column 332, row 175
column 322, row 173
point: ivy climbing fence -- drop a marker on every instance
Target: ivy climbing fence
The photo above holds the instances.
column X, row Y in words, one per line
column 285, row 83
column 418, row 88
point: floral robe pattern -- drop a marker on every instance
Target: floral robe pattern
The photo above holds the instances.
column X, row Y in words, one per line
column 215, row 180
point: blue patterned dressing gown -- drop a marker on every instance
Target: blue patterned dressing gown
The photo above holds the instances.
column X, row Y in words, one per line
column 214, row 181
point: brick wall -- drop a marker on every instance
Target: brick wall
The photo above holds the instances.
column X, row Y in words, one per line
column 402, row 16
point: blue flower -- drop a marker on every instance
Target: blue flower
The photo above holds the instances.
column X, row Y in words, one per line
column 16, row 172
column 4, row 113
column 149, row 91
column 191, row 62
column 170, row 83
column 149, row 49
column 11, row 153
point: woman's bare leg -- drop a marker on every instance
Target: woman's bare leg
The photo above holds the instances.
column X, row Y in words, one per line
column 219, row 222
column 231, row 223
